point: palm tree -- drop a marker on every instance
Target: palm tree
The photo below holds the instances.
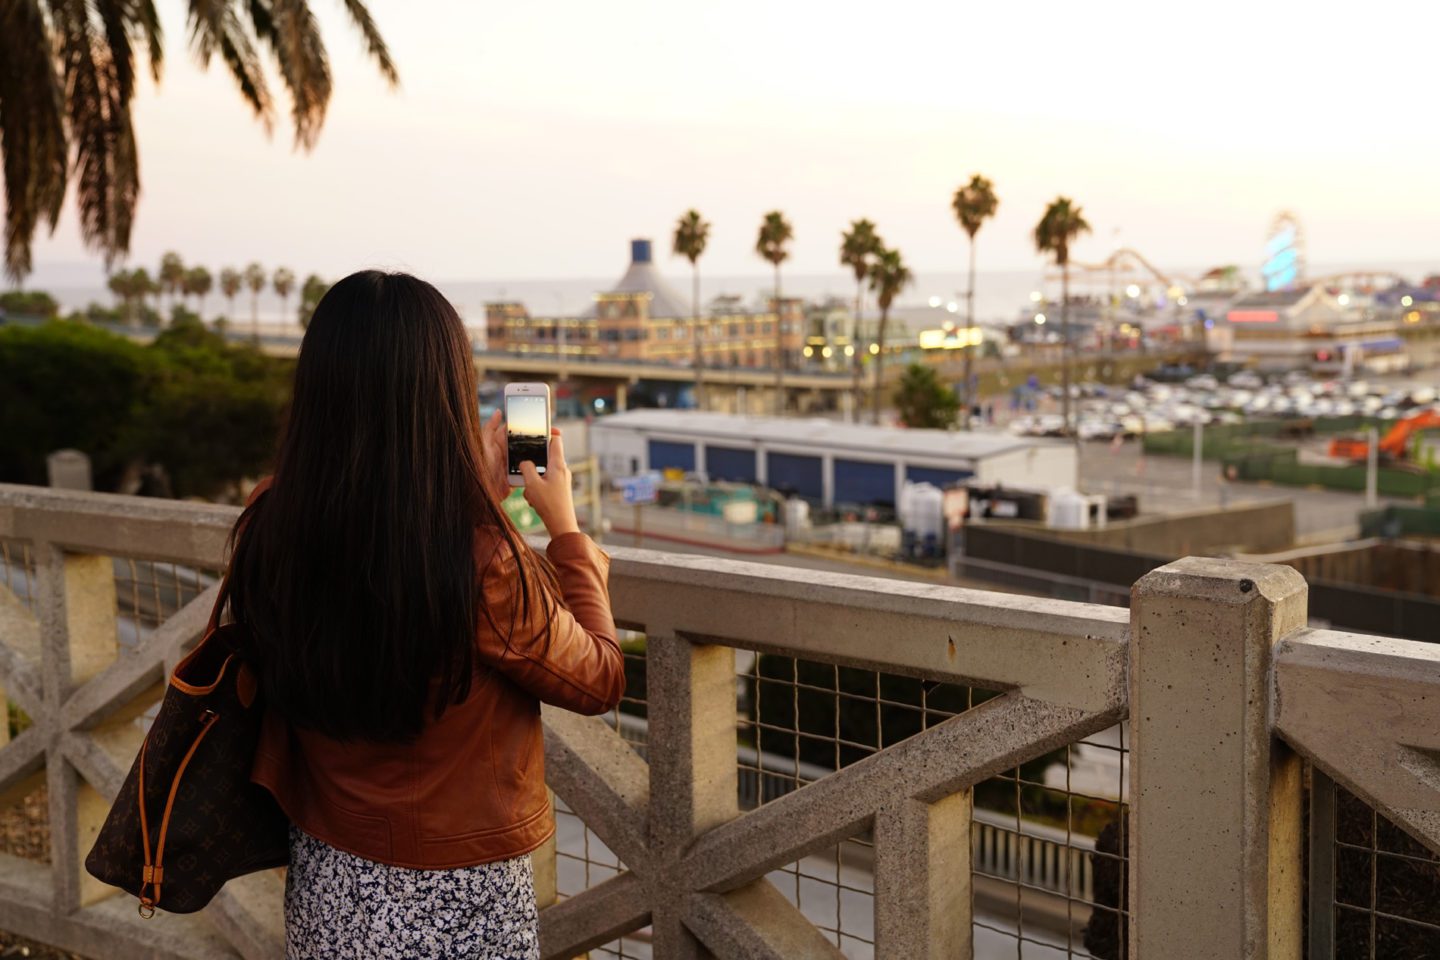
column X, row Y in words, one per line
column 171, row 276
column 973, row 204
column 255, row 279
column 691, row 233
column 311, row 291
column 143, row 286
column 230, row 283
column 284, row 282
column 1061, row 226
column 198, row 284
column 888, row 277
column 773, row 245
column 858, row 247
column 122, row 284
column 69, row 78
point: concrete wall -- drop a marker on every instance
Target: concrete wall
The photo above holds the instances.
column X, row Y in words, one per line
column 1042, row 465
column 1247, row 528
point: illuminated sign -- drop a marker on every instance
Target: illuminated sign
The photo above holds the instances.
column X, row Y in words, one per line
column 1252, row 316
column 950, row 339
column 1284, row 254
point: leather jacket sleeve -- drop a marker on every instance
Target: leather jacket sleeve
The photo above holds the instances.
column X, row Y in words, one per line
column 580, row 666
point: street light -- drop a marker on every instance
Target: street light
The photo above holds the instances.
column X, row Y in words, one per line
column 849, row 350
column 1040, row 318
column 874, row 349
column 1132, row 291
column 935, row 301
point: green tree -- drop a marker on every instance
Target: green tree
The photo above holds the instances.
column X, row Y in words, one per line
column 284, row 284
column 145, row 287
column 858, row 247
column 974, row 203
column 119, row 283
column 230, row 283
column 67, row 385
column 773, row 245
column 923, row 401
column 171, row 276
column 888, row 277
column 691, row 234
column 310, row 293
column 198, row 284
column 1062, row 224
column 29, row 303
column 211, row 411
column 69, row 77
column 255, row 279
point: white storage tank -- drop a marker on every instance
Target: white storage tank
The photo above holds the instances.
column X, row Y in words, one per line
column 797, row 515
column 922, row 510
column 1069, row 510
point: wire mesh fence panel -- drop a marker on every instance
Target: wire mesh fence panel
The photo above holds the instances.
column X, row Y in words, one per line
column 1385, row 887
column 1047, row 838
column 147, row 593
column 17, row 571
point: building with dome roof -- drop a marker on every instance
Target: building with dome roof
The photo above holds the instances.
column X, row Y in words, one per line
column 643, row 318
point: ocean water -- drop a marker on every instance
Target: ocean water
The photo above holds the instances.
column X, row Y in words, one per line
column 1000, row 295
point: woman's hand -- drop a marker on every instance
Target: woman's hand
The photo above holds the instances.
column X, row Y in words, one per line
column 549, row 493
column 495, row 452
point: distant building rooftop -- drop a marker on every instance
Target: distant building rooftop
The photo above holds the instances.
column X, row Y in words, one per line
column 641, row 277
column 1272, row 298
column 816, row 432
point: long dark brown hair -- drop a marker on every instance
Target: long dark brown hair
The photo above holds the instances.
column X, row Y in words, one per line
column 355, row 574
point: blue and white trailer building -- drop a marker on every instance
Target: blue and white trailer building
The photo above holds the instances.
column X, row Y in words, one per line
column 824, row 461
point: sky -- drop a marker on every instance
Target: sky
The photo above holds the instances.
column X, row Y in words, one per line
column 533, row 140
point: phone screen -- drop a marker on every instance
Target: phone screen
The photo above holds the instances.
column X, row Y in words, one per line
column 528, row 430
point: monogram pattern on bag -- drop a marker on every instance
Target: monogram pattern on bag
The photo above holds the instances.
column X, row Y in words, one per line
column 221, row 825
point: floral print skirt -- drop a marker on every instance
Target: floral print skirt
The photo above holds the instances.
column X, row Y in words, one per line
column 338, row 905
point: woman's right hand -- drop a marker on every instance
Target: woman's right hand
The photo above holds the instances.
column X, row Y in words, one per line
column 550, row 493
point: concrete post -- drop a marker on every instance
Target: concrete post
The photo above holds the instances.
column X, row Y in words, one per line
column 69, row 470
column 1214, row 839
column 76, row 612
column 922, row 879
column 693, row 783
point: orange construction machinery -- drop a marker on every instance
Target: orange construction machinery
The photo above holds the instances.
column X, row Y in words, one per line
column 1395, row 445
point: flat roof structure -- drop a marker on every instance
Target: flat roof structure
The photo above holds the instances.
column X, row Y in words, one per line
column 825, row 461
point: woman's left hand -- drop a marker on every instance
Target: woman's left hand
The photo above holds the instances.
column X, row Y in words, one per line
column 495, row 454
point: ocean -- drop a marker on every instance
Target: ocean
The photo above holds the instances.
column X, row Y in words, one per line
column 1000, row 295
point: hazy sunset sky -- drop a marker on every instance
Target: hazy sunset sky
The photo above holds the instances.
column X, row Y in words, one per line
column 534, row 139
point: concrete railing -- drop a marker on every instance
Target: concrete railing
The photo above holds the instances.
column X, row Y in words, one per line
column 1224, row 688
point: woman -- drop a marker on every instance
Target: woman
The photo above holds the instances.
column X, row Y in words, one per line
column 405, row 637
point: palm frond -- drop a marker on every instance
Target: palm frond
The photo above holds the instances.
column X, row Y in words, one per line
column 149, row 25
column 101, row 133
column 32, row 130
column 113, row 16
column 216, row 28
column 304, row 66
column 374, row 43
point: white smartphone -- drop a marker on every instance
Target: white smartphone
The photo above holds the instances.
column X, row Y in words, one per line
column 527, row 428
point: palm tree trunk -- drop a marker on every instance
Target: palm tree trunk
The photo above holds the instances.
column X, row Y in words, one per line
column 779, row 349
column 879, row 364
column 969, row 336
column 695, row 332
column 1065, row 350
column 855, row 403
column 255, row 314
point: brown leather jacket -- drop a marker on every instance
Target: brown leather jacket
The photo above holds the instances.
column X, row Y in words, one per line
column 471, row 789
